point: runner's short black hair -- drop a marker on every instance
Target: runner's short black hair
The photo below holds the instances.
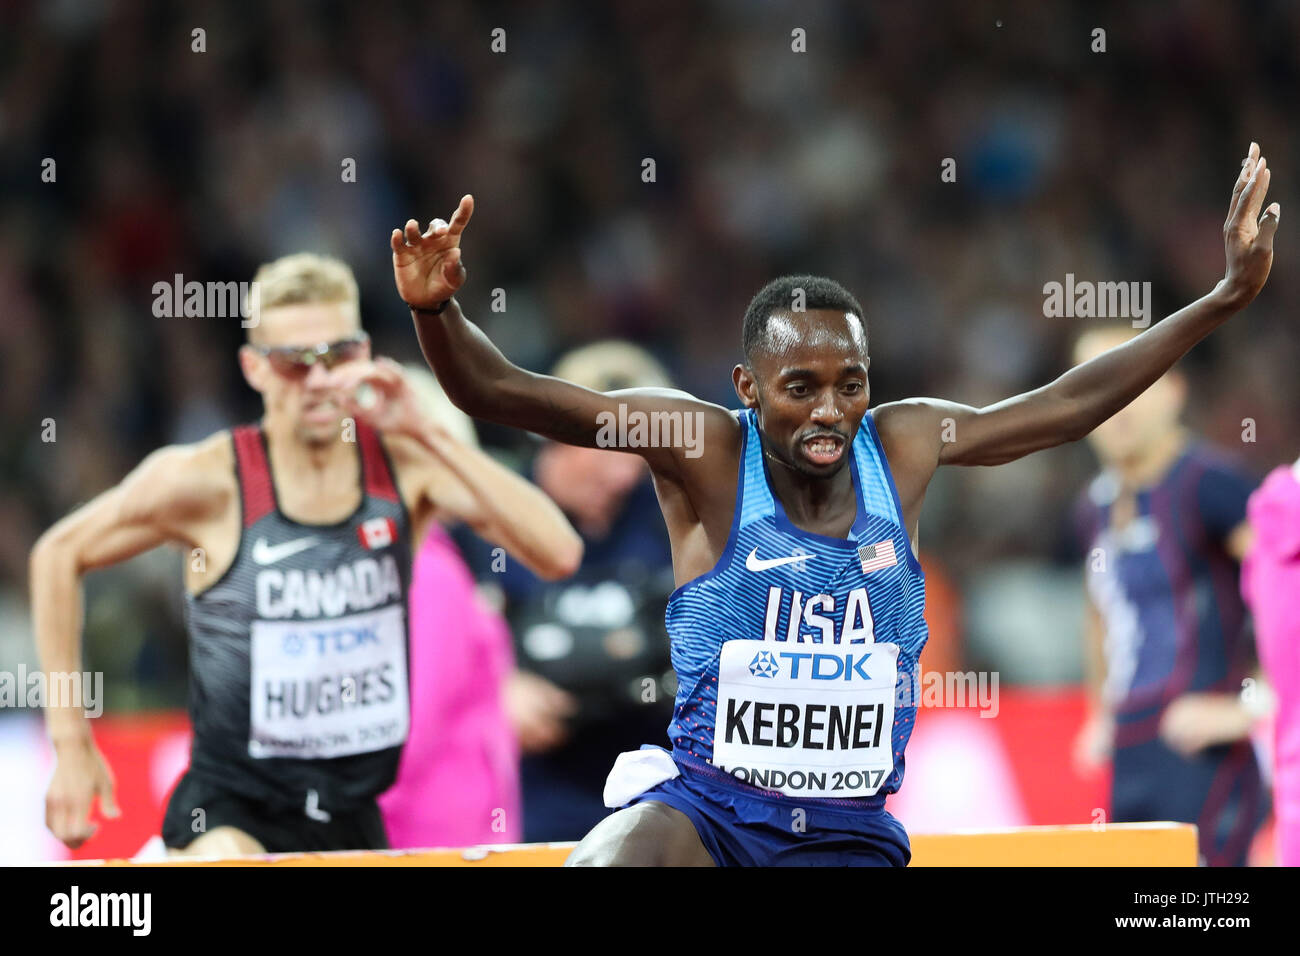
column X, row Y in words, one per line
column 779, row 295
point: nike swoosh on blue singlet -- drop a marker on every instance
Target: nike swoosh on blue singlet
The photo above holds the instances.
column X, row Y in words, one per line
column 730, row 602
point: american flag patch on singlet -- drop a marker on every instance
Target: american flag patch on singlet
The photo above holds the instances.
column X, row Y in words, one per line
column 877, row 556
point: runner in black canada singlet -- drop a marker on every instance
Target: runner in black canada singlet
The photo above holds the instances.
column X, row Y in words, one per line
column 297, row 537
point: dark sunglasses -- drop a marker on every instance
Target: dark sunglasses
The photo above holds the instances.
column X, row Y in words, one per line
column 296, row 361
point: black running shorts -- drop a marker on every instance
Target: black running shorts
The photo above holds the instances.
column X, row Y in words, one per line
column 278, row 829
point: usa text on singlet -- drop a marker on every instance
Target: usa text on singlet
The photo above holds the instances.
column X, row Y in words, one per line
column 794, row 655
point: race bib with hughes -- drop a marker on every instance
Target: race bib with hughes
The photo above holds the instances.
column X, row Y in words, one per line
column 328, row 688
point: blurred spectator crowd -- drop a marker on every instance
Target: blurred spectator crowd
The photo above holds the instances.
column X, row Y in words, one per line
column 1112, row 166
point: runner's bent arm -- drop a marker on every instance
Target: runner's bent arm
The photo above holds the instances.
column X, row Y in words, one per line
column 155, row 504
column 484, row 384
column 444, row 477
column 464, row 483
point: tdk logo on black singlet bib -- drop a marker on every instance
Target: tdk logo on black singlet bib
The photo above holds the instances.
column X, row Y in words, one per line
column 358, row 586
column 337, row 640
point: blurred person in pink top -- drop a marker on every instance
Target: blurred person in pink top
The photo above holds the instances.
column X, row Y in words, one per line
column 458, row 780
column 1270, row 583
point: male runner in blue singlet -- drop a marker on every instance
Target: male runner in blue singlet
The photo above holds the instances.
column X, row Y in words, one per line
column 793, row 526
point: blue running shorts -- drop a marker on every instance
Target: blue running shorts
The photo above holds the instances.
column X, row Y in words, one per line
column 742, row 825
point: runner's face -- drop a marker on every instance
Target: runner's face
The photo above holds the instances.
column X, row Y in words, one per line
column 305, row 402
column 809, row 384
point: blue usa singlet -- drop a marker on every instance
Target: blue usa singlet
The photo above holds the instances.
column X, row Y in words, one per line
column 796, row 654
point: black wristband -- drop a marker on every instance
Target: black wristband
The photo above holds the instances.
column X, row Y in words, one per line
column 438, row 311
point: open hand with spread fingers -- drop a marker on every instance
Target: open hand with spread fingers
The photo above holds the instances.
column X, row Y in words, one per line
column 427, row 265
column 1248, row 238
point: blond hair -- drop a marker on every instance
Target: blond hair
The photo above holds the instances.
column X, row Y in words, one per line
column 612, row 365
column 1106, row 329
column 300, row 279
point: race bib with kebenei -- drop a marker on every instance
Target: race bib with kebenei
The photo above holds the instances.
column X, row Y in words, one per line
column 811, row 720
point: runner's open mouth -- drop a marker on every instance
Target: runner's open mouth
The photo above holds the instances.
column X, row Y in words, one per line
column 823, row 449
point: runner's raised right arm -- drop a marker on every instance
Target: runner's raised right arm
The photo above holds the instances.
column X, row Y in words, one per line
column 483, row 383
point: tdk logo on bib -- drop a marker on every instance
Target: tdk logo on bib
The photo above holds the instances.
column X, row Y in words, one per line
column 340, row 640
column 843, row 666
column 763, row 665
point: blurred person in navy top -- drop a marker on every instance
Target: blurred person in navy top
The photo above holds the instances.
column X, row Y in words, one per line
column 1167, row 631
column 594, row 677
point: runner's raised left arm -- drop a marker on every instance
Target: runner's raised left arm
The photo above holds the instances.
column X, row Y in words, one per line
column 1085, row 396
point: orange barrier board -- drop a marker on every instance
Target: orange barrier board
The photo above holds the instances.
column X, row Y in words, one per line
column 1118, row 844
